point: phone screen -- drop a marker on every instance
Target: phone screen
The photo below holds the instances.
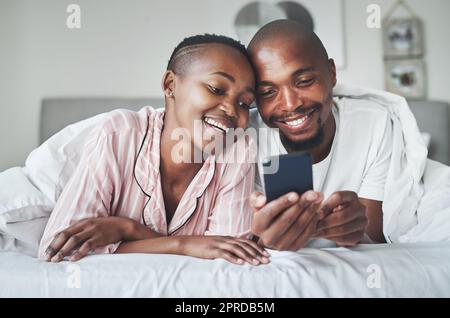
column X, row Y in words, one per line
column 294, row 174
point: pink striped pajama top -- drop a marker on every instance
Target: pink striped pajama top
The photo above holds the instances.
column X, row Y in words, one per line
column 118, row 175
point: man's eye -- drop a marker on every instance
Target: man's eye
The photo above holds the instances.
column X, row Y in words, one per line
column 304, row 82
column 216, row 90
column 266, row 93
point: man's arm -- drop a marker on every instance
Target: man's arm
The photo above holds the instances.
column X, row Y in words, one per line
column 374, row 228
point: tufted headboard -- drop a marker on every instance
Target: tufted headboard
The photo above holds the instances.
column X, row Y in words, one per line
column 56, row 113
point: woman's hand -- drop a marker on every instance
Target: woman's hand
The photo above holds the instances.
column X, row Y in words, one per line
column 86, row 235
column 234, row 250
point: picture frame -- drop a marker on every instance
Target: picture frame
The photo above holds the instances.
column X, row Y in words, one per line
column 232, row 18
column 403, row 37
column 406, row 78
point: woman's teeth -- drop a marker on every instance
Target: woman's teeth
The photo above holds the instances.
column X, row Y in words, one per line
column 214, row 123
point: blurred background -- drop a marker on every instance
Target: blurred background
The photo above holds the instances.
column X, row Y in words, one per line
column 122, row 47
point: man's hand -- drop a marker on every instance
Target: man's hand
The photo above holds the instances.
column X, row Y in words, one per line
column 84, row 236
column 286, row 223
column 343, row 219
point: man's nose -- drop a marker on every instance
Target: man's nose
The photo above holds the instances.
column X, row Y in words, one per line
column 290, row 100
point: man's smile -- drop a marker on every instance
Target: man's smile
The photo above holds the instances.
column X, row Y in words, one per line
column 298, row 122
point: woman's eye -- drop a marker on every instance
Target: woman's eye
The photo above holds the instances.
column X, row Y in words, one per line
column 245, row 105
column 304, row 82
column 216, row 90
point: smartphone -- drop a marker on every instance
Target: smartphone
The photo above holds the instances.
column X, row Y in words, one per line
column 294, row 174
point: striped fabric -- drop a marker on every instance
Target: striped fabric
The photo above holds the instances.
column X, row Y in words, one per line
column 118, row 175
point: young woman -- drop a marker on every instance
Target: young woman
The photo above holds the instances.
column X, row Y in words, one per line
column 130, row 192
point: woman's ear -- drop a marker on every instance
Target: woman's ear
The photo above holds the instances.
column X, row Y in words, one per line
column 168, row 84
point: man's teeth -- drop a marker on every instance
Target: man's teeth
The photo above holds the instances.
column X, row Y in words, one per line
column 216, row 124
column 296, row 122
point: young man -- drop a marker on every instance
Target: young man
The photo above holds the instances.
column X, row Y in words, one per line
column 350, row 142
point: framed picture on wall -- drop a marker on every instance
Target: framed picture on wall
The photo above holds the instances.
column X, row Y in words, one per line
column 241, row 19
column 406, row 78
column 403, row 38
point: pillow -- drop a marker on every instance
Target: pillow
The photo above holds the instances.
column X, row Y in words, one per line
column 20, row 200
column 426, row 139
column 50, row 166
column 23, row 237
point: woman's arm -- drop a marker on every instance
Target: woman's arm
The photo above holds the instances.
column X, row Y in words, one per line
column 232, row 249
column 93, row 233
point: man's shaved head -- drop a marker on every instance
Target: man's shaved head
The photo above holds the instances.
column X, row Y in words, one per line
column 289, row 30
column 295, row 80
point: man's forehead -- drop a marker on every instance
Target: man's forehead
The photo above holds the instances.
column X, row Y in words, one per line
column 277, row 61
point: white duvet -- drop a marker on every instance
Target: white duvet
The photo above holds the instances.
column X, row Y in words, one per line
column 390, row 270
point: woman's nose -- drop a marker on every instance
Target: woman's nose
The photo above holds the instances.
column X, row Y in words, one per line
column 230, row 109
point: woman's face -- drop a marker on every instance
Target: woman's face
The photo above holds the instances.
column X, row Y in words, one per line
column 214, row 93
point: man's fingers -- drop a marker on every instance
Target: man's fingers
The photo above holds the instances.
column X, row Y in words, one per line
column 308, row 215
column 303, row 238
column 350, row 240
column 257, row 200
column 279, row 230
column 276, row 207
column 333, row 233
column 337, row 219
column 338, row 198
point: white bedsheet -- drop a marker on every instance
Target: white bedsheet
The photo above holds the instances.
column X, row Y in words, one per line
column 402, row 270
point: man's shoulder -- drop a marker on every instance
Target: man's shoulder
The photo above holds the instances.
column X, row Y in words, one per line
column 362, row 111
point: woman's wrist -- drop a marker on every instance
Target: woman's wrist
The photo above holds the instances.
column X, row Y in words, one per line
column 135, row 231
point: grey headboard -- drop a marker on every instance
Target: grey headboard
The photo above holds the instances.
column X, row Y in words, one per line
column 56, row 113
column 434, row 118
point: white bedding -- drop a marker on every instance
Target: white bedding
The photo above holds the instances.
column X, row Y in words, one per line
column 402, row 270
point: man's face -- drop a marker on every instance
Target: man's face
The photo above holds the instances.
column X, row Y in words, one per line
column 294, row 89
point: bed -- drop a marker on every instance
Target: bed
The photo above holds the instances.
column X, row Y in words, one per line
column 394, row 270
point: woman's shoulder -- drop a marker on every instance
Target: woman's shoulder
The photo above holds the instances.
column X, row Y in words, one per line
column 128, row 121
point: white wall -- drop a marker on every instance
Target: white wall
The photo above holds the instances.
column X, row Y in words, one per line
column 123, row 47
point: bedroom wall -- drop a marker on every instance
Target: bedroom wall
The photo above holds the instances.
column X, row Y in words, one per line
column 123, row 46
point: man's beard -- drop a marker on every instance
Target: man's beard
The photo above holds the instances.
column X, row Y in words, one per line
column 306, row 145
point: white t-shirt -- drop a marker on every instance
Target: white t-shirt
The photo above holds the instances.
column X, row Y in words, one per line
column 359, row 157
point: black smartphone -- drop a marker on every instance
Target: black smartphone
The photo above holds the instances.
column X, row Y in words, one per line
column 292, row 174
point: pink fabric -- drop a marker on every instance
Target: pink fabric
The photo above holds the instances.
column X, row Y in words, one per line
column 114, row 172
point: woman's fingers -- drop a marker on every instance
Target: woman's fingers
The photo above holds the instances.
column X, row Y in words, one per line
column 241, row 253
column 230, row 257
column 254, row 245
column 71, row 245
column 255, row 252
column 84, row 250
column 61, row 239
